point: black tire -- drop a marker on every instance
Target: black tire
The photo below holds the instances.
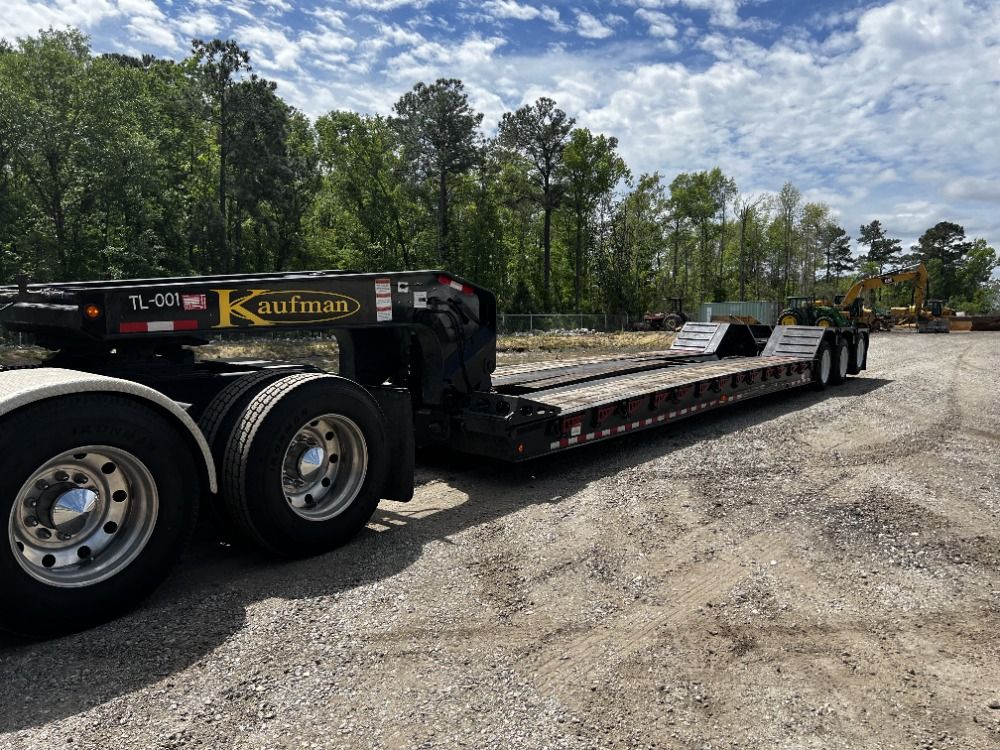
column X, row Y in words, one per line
column 136, row 557
column 673, row 322
column 841, row 362
column 823, row 366
column 858, row 354
column 789, row 318
column 254, row 465
column 217, row 423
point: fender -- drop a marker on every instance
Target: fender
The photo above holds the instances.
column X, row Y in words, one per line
column 19, row 388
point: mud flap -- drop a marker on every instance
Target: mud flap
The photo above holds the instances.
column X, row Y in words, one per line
column 396, row 406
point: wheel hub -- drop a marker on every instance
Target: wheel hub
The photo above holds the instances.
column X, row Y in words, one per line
column 71, row 510
column 324, row 467
column 83, row 516
column 310, row 464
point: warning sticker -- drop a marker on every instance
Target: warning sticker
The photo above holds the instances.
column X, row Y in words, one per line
column 383, row 300
column 420, row 299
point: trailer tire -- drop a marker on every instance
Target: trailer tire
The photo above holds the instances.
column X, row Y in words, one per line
column 858, row 353
column 305, row 463
column 96, row 514
column 217, row 423
column 841, row 362
column 823, row 366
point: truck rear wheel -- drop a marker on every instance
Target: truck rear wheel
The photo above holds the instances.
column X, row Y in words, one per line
column 858, row 352
column 823, row 366
column 97, row 511
column 219, row 419
column 841, row 362
column 305, row 463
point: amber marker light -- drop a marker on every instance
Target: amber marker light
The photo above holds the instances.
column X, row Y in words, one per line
column 92, row 312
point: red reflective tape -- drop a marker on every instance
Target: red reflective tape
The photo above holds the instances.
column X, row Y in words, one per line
column 132, row 328
column 456, row 285
column 185, row 325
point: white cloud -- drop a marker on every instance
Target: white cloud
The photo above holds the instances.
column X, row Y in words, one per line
column 974, row 189
column 22, row 18
column 333, row 19
column 155, row 31
column 199, row 24
column 720, row 12
column 270, row 46
column 380, row 5
column 590, row 27
column 511, row 9
column 660, row 24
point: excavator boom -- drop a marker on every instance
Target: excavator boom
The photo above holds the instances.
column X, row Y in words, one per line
column 917, row 275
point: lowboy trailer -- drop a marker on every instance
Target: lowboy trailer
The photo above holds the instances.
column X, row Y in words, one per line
column 112, row 443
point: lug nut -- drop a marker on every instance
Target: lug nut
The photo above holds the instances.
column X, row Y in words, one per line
column 31, row 502
column 61, row 476
column 63, row 536
column 80, row 479
column 43, row 533
column 42, row 484
column 30, row 521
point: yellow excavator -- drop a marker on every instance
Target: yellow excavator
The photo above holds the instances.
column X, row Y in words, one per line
column 929, row 318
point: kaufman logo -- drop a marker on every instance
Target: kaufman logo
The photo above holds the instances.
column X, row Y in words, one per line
column 262, row 307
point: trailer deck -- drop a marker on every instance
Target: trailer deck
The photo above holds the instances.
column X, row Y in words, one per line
column 549, row 406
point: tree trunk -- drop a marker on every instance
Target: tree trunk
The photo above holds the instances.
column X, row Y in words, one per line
column 443, row 219
column 579, row 258
column 743, row 244
column 547, row 258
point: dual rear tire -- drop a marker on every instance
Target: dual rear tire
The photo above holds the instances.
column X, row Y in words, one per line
column 302, row 460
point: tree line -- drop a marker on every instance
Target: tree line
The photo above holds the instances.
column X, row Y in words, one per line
column 114, row 166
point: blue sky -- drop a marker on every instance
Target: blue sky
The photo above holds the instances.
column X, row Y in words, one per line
column 886, row 110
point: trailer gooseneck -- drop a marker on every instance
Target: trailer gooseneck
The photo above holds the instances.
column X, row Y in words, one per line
column 112, row 443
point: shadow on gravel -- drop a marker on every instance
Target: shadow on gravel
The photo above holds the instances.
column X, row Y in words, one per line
column 205, row 601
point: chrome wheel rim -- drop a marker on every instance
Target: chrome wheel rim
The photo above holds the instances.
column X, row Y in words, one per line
column 324, row 467
column 860, row 351
column 842, row 362
column 83, row 516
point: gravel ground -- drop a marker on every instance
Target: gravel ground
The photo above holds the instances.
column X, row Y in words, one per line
column 808, row 571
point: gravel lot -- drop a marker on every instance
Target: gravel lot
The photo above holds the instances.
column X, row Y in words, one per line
column 808, row 571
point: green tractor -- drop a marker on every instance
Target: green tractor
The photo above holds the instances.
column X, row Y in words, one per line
column 806, row 311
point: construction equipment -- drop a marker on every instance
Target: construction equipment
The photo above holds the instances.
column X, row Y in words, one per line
column 663, row 321
column 109, row 446
column 929, row 318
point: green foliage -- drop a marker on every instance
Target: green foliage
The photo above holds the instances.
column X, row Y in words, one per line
column 438, row 134
column 540, row 132
column 883, row 252
column 122, row 166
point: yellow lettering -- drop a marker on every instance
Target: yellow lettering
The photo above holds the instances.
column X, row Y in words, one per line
column 230, row 308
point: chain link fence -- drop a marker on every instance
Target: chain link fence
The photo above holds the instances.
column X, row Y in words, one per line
column 523, row 322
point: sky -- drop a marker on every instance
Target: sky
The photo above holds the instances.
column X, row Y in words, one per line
column 887, row 110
